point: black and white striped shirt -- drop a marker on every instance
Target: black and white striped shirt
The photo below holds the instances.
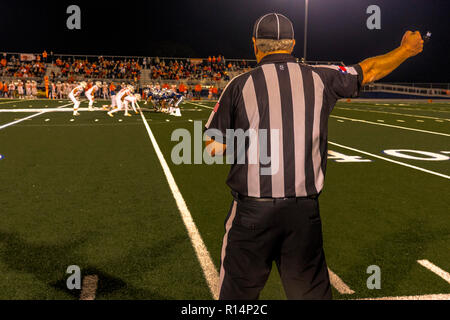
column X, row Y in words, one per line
column 294, row 100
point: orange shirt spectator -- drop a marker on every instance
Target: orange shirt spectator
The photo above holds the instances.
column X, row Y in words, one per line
column 3, row 62
column 44, row 54
column 1, row 86
column 182, row 88
column 198, row 88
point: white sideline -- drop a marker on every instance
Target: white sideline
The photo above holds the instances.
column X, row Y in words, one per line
column 335, row 280
column 420, row 297
column 435, row 269
column 338, row 284
column 203, row 256
column 390, row 160
column 394, row 113
column 392, row 126
column 29, row 117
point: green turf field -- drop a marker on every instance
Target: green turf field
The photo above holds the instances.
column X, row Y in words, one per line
column 91, row 191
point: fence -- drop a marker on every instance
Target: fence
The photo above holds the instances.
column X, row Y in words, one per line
column 439, row 90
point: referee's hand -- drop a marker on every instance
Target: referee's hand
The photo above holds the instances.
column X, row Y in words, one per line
column 412, row 42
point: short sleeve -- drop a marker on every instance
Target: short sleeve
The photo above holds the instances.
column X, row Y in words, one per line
column 221, row 117
column 341, row 82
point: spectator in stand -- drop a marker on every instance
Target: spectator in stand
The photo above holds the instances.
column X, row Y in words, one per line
column 198, row 91
column 5, row 89
column 215, row 92
column 182, row 89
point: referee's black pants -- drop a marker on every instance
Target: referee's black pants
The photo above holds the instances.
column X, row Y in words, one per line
column 287, row 231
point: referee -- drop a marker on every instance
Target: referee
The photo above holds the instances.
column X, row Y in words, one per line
column 274, row 215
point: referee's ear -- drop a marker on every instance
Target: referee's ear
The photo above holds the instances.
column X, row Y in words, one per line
column 254, row 47
column 293, row 45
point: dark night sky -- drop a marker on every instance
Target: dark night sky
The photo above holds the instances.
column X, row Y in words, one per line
column 198, row 28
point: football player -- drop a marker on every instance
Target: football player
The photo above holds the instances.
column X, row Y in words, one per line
column 28, row 88
column 20, row 89
column 90, row 94
column 75, row 94
column 120, row 97
column 34, row 89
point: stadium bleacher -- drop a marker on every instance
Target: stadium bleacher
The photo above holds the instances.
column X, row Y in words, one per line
column 208, row 72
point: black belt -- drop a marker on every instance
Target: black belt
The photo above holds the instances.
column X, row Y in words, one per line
column 241, row 197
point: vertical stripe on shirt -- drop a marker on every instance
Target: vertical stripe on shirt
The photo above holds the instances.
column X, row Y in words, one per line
column 308, row 85
column 262, row 97
column 276, row 130
column 316, row 156
column 288, row 128
column 251, row 109
column 298, row 110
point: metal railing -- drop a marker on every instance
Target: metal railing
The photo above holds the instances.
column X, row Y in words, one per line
column 420, row 85
column 51, row 57
column 441, row 90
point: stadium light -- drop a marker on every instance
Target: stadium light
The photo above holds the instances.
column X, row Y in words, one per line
column 306, row 30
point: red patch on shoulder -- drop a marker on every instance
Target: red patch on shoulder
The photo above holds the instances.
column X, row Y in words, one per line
column 343, row 69
column 216, row 107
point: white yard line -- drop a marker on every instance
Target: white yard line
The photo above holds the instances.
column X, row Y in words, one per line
column 47, row 110
column 368, row 122
column 401, row 108
column 10, row 101
column 435, row 269
column 338, row 284
column 420, row 297
column 29, row 117
column 393, row 113
column 392, row 126
column 203, row 256
column 390, row 160
column 200, row 105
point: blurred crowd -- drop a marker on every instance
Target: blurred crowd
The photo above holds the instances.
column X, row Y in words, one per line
column 62, row 68
column 14, row 67
column 100, row 69
column 213, row 68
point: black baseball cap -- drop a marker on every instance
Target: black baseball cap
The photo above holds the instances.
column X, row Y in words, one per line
column 273, row 26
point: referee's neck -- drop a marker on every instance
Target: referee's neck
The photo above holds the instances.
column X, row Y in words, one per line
column 278, row 56
column 261, row 55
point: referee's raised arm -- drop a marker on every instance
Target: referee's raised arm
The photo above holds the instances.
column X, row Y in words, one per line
column 273, row 121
